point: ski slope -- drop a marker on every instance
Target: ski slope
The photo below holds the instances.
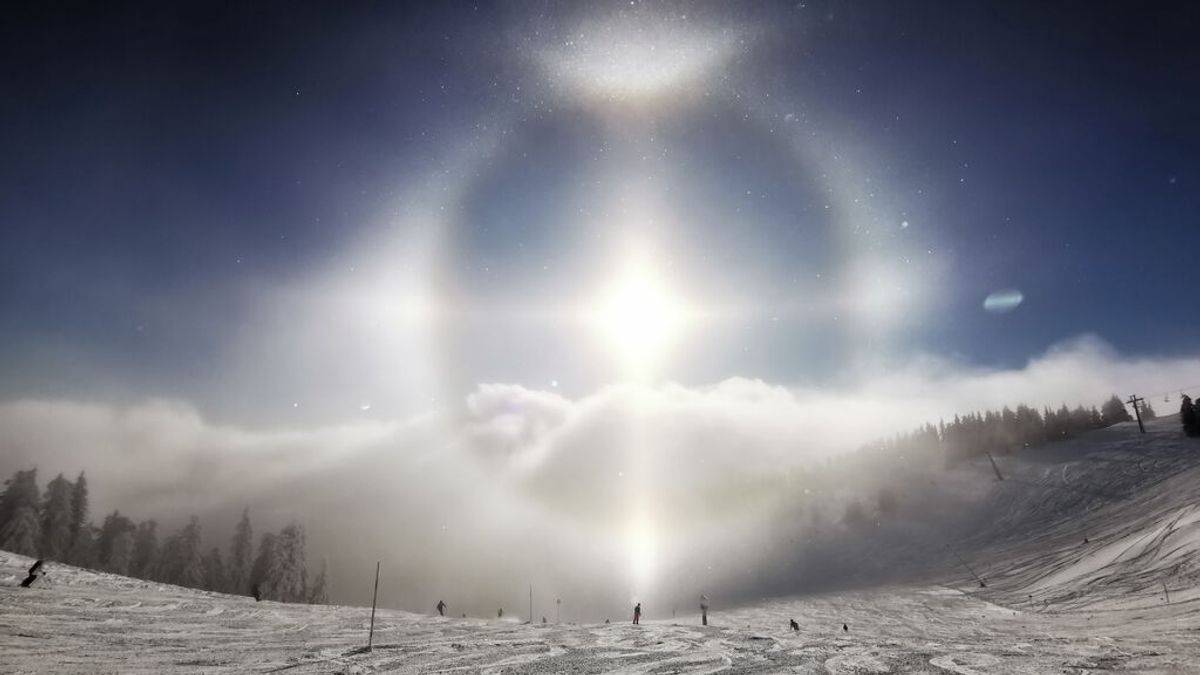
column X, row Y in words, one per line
column 1053, row 603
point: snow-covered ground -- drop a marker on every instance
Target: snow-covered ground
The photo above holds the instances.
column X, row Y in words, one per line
column 1053, row 602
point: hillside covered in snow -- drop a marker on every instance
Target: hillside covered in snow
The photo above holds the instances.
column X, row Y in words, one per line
column 1088, row 548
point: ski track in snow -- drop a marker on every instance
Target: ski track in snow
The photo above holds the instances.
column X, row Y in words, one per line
column 1053, row 603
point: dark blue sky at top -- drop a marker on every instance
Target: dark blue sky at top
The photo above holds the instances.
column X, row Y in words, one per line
column 161, row 158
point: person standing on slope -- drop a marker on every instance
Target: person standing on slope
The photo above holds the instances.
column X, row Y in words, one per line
column 637, row 613
column 441, row 607
column 703, row 609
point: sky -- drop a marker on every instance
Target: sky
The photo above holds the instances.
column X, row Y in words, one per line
column 283, row 237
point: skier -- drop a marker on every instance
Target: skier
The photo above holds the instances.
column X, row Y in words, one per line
column 33, row 574
column 637, row 613
column 256, row 592
column 441, row 607
column 795, row 626
column 703, row 609
column 500, row 613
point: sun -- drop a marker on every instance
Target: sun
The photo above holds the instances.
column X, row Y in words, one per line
column 639, row 316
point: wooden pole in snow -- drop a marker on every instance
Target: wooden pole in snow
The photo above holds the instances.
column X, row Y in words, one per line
column 1134, row 400
column 995, row 468
column 374, row 597
column 978, row 578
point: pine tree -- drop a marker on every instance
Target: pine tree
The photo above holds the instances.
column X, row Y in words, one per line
column 181, row 562
column 319, row 593
column 167, row 568
column 83, row 547
column 1114, row 412
column 240, row 554
column 1147, row 411
column 286, row 576
column 262, row 563
column 22, row 532
column 114, row 546
column 56, row 519
column 215, row 578
column 120, row 553
column 20, row 491
column 79, row 523
column 145, row 550
column 1189, row 417
column 191, row 565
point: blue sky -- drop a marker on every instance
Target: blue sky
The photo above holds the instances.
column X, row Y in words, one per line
column 194, row 193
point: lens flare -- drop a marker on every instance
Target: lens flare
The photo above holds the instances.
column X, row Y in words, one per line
column 1003, row 301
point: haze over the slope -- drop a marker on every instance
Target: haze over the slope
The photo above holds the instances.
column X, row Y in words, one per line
column 621, row 493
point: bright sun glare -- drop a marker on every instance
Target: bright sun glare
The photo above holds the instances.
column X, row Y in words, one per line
column 639, row 316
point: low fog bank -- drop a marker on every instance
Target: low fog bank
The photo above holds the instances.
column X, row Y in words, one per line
column 740, row 490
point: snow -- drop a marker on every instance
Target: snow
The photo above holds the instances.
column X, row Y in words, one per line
column 1053, row 603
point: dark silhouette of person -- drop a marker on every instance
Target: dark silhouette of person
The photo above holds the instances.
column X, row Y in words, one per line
column 607, row 621
column 637, row 613
column 795, row 626
column 500, row 613
column 256, row 592
column 34, row 572
column 703, row 609
column 441, row 607
column 543, row 619
column 845, row 628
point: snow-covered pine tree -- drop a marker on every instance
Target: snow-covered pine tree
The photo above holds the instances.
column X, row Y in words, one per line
column 83, row 547
column 79, row 522
column 319, row 593
column 113, row 527
column 215, row 578
column 191, row 564
column 1113, row 411
column 262, row 563
column 167, row 567
column 22, row 532
column 240, row 555
column 145, row 550
column 286, row 576
column 19, row 491
column 1147, row 411
column 56, row 519
column 120, row 552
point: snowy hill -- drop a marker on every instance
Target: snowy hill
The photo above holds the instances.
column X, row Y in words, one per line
column 1053, row 602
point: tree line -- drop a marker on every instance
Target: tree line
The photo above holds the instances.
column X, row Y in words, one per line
column 54, row 525
column 1005, row 430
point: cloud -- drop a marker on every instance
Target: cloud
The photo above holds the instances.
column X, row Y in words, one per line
column 611, row 495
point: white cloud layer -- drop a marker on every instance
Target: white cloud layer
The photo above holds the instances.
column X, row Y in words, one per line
column 601, row 498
